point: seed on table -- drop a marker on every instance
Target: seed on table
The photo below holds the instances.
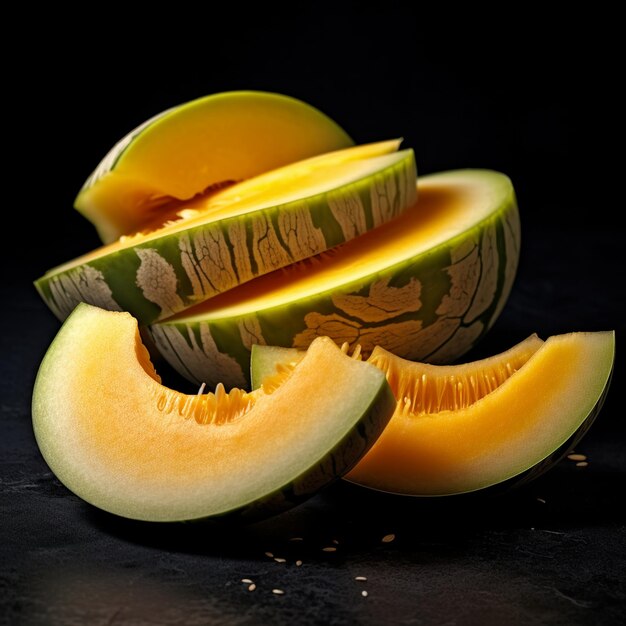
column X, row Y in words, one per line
column 360, row 578
column 298, row 563
column 270, row 555
column 251, row 587
column 364, row 593
column 280, row 560
column 246, row 580
column 388, row 538
column 278, row 592
column 582, row 464
column 329, row 549
column 576, row 457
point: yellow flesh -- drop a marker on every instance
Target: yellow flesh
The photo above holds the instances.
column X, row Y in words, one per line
column 446, row 208
column 119, row 439
column 181, row 152
column 292, row 182
column 445, row 438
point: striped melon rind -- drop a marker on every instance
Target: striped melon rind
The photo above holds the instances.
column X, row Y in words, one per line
column 184, row 150
column 431, row 301
column 157, row 274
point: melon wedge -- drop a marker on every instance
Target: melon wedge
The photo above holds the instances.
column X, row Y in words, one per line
column 221, row 239
column 426, row 285
column 181, row 152
column 125, row 443
column 462, row 428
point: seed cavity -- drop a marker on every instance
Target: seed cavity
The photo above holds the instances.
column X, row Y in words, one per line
column 434, row 388
column 217, row 408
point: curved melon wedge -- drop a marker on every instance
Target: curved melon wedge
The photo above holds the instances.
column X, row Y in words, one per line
column 225, row 137
column 125, row 443
column 219, row 240
column 462, row 428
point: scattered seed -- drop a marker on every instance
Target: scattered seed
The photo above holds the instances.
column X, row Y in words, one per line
column 541, row 500
column 246, row 580
column 280, row 560
column 251, row 587
column 360, row 578
column 388, row 538
column 298, row 562
column 576, row 457
column 329, row 549
column 335, row 542
column 297, row 539
column 278, row 592
column 364, row 593
column 582, row 464
column 270, row 554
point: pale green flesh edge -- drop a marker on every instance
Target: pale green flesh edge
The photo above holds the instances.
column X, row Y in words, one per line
column 265, row 360
column 165, row 275
column 218, row 350
column 336, row 457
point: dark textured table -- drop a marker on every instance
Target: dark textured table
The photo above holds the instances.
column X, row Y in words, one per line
column 553, row 552
column 529, row 99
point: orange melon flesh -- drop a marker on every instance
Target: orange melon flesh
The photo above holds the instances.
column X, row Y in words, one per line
column 297, row 181
column 181, row 152
column 122, row 441
column 444, row 440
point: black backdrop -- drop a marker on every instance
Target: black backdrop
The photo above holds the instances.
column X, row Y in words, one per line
column 514, row 89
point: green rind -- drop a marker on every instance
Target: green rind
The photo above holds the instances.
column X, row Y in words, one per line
column 359, row 431
column 159, row 277
column 331, row 465
column 439, row 322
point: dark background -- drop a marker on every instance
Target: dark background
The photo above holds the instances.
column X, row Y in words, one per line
column 530, row 94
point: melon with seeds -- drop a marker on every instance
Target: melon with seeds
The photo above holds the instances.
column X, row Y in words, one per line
column 462, row 428
column 211, row 243
column 119, row 439
column 202, row 144
column 426, row 285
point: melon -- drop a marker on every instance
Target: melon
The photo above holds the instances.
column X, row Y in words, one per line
column 426, row 285
column 119, row 439
column 220, row 239
column 181, row 152
column 462, row 428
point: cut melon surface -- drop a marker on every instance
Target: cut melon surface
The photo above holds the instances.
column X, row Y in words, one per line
column 181, row 152
column 224, row 238
column 426, row 285
column 119, row 439
column 462, row 428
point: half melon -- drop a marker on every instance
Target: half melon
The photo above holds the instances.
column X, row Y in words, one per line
column 216, row 241
column 125, row 443
column 462, row 428
column 181, row 152
column 426, row 285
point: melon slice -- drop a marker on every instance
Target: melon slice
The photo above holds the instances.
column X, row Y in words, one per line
column 221, row 239
column 181, row 152
column 462, row 428
column 426, row 285
column 125, row 443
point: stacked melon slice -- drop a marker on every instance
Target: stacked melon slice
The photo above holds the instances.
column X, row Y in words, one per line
column 247, row 219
